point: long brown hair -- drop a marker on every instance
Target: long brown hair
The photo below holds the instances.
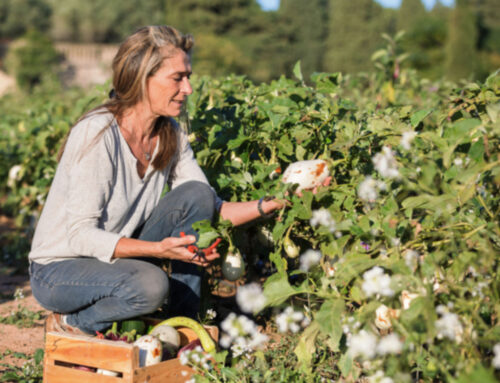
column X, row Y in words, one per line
column 138, row 58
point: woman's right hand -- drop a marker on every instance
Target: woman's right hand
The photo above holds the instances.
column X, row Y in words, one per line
column 176, row 249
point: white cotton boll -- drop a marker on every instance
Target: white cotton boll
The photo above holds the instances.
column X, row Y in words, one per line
column 411, row 257
column 496, row 359
column 309, row 259
column 389, row 344
column 449, row 326
column 385, row 163
column 407, row 138
column 250, row 298
column 291, row 320
column 375, row 281
column 322, row 217
column 367, row 190
column 383, row 316
column 379, row 377
column 13, row 175
column 211, row 314
column 406, row 298
column 363, row 344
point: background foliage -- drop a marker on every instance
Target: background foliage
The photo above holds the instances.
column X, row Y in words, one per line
column 431, row 231
column 239, row 37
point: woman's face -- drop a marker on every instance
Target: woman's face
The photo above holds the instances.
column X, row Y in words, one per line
column 168, row 88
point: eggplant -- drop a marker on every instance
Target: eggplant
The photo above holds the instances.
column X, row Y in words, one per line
column 307, row 174
column 150, row 350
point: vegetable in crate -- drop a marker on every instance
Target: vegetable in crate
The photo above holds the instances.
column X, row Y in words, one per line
column 168, row 336
column 307, row 174
column 150, row 350
column 206, row 341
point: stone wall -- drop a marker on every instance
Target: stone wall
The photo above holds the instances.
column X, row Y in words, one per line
column 86, row 64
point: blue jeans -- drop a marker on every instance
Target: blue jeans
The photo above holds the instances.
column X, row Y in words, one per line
column 94, row 294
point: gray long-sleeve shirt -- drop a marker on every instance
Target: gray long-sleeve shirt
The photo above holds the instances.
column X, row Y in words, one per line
column 97, row 196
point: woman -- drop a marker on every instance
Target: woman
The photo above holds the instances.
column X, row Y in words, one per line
column 105, row 217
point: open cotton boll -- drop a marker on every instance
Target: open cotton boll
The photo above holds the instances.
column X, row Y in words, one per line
column 307, row 174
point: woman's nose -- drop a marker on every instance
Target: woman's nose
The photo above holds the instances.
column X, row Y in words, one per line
column 186, row 86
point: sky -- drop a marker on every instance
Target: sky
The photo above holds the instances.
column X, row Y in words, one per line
column 274, row 4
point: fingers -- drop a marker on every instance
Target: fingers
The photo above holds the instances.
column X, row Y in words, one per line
column 207, row 261
column 183, row 241
column 327, row 181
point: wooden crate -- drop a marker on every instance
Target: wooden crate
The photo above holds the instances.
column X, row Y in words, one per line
column 63, row 352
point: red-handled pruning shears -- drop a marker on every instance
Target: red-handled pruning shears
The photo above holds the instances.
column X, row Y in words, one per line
column 201, row 253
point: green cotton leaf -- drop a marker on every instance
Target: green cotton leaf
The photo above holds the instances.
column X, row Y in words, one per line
column 297, row 71
column 351, row 267
column 345, row 364
column 206, row 239
column 306, row 348
column 207, row 234
column 277, row 289
column 479, row 374
column 278, row 261
column 329, row 318
column 429, row 202
column 419, row 116
column 461, row 129
column 493, row 111
column 300, row 153
column 285, row 146
column 38, row 356
column 237, row 142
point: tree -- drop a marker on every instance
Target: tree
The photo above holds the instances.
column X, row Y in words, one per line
column 425, row 37
column 103, row 21
column 17, row 16
column 227, row 33
column 354, row 30
column 461, row 57
column 31, row 58
column 410, row 14
column 304, row 23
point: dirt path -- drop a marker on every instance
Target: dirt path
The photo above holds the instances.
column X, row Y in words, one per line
column 13, row 338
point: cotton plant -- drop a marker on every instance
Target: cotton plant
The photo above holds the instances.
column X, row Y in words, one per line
column 291, row 320
column 376, row 282
column 196, row 358
column 309, row 259
column 385, row 163
column 322, row 217
column 448, row 325
column 369, row 189
column 407, row 138
column 241, row 335
column 250, row 298
column 368, row 346
column 496, row 358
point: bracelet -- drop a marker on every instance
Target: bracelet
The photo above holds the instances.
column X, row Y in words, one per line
column 259, row 207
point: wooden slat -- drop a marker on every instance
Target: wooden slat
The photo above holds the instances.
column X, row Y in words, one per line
column 169, row 371
column 92, row 352
column 58, row 374
column 114, row 356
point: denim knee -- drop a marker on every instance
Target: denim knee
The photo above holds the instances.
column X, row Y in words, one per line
column 148, row 290
column 200, row 195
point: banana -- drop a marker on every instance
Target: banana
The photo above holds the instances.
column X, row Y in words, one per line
column 206, row 341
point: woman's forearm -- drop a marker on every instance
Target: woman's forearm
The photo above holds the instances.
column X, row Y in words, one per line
column 242, row 212
column 132, row 248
